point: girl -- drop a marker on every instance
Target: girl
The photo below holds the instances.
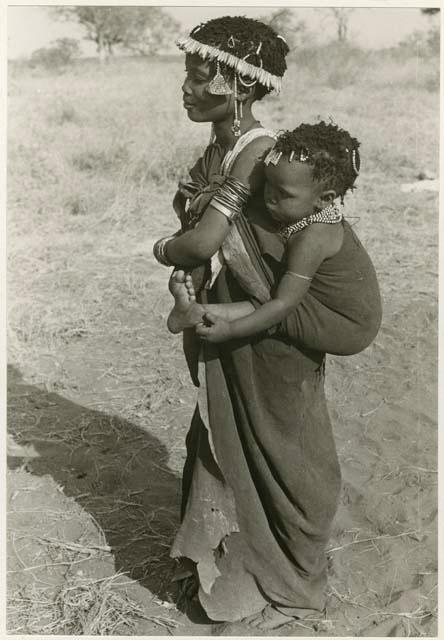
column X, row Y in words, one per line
column 261, row 479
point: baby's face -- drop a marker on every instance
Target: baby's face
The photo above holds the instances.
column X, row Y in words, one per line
column 290, row 192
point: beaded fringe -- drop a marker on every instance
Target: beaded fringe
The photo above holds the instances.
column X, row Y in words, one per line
column 190, row 45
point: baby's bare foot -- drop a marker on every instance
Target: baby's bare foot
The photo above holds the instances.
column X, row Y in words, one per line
column 186, row 311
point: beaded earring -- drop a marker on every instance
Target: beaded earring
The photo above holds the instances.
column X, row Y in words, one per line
column 236, row 128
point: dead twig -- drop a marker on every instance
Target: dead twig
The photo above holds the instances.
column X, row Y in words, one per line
column 109, row 371
column 382, row 537
column 369, row 413
column 418, row 614
column 52, row 564
column 72, row 546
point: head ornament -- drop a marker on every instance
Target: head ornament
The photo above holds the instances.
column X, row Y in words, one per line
column 252, row 49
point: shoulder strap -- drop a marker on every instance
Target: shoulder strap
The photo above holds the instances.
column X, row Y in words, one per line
column 243, row 141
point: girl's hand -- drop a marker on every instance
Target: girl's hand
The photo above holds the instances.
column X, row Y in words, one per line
column 214, row 329
column 179, row 204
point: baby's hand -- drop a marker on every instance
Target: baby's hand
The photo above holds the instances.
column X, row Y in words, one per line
column 214, row 329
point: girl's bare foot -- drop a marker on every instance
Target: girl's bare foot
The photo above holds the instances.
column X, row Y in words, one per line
column 186, row 311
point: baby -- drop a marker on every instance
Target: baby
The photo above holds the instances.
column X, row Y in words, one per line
column 306, row 172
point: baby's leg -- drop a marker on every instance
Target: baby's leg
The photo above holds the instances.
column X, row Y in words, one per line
column 316, row 326
column 199, row 276
column 186, row 312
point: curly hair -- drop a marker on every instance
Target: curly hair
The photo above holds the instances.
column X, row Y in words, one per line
column 332, row 152
column 247, row 39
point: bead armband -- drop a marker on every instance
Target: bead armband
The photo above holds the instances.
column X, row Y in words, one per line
column 293, row 274
column 230, row 198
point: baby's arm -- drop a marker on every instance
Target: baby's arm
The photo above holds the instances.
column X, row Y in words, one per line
column 306, row 250
column 198, row 245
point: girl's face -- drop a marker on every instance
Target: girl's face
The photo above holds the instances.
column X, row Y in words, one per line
column 200, row 105
column 290, row 192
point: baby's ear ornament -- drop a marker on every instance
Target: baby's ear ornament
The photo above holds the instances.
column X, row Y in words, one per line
column 356, row 165
column 272, row 157
column 355, row 160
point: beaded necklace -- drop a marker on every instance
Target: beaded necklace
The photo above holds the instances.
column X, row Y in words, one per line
column 329, row 215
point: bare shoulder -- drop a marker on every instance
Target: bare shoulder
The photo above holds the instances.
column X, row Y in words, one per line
column 251, row 156
column 325, row 239
column 258, row 145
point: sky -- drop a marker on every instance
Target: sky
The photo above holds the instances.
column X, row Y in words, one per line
column 31, row 27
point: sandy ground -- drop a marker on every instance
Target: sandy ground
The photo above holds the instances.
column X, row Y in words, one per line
column 99, row 402
column 90, row 474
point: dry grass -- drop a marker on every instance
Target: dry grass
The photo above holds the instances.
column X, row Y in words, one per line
column 80, row 607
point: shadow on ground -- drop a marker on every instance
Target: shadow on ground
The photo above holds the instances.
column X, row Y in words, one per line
column 115, row 471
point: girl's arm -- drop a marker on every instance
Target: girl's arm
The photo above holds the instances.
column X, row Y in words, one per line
column 198, row 245
column 306, row 250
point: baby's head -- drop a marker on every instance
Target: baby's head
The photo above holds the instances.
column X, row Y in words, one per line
column 307, row 169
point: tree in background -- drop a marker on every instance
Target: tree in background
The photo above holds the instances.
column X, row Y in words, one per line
column 160, row 31
column 60, row 53
column 341, row 16
column 142, row 29
column 423, row 42
column 286, row 24
column 434, row 33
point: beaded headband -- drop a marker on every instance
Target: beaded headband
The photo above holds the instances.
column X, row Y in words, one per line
column 257, row 73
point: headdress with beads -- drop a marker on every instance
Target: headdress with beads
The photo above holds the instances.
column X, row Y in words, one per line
column 249, row 47
column 332, row 152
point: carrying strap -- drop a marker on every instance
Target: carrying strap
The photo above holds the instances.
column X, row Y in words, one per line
column 232, row 251
column 240, row 145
